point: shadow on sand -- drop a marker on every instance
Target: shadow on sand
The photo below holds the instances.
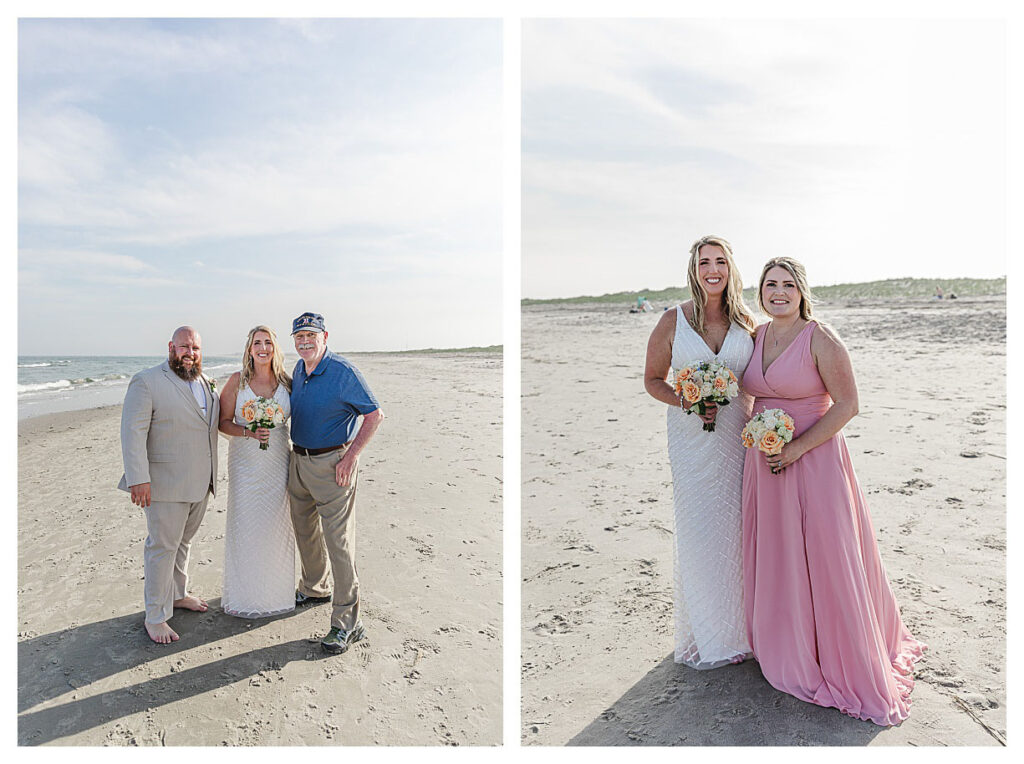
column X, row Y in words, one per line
column 732, row 705
column 64, row 661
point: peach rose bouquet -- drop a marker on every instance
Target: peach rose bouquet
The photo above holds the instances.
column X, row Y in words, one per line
column 768, row 432
column 262, row 412
column 702, row 382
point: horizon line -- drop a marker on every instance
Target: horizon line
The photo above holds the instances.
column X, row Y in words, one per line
column 931, row 280
column 468, row 348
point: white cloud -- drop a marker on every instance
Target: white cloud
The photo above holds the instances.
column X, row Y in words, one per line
column 245, row 163
column 405, row 163
column 62, row 148
column 67, row 272
column 824, row 140
column 125, row 48
column 83, row 261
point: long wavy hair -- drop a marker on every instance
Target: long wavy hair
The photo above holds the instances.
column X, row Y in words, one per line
column 799, row 274
column 732, row 299
column 276, row 363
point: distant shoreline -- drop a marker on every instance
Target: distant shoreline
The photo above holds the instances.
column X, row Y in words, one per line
column 291, row 358
column 56, row 398
column 895, row 288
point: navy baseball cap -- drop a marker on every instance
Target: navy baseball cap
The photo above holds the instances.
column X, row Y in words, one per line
column 309, row 322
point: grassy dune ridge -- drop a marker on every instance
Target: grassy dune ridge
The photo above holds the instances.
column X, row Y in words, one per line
column 888, row 288
column 488, row 349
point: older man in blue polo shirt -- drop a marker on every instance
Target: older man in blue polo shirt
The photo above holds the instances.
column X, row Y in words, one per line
column 328, row 397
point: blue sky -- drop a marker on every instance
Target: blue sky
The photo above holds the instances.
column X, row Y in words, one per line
column 226, row 173
column 866, row 148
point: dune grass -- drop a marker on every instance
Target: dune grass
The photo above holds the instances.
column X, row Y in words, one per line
column 901, row 288
column 494, row 349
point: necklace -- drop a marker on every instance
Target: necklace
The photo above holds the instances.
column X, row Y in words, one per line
column 775, row 334
column 271, row 385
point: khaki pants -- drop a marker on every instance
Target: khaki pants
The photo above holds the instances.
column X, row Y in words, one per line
column 325, row 534
column 171, row 527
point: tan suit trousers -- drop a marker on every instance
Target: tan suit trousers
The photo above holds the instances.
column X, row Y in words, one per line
column 323, row 517
column 171, row 527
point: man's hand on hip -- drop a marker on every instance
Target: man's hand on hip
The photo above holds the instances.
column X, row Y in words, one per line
column 345, row 470
column 141, row 494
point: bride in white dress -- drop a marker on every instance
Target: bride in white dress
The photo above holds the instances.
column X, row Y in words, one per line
column 259, row 546
column 707, row 467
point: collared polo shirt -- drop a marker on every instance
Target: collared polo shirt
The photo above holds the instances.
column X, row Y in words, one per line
column 326, row 404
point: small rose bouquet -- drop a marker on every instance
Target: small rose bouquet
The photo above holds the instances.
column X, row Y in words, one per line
column 703, row 382
column 768, row 432
column 262, row 412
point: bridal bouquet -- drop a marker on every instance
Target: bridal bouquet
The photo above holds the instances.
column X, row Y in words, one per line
column 768, row 431
column 703, row 382
column 262, row 412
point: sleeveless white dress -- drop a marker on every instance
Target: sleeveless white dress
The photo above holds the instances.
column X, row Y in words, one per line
column 259, row 546
column 707, row 487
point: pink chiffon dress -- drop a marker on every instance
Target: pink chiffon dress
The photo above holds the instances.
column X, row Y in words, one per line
column 821, row 617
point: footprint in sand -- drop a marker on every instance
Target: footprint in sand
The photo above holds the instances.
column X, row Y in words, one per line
column 978, row 700
column 557, row 625
column 444, row 734
column 734, row 713
column 422, row 547
column 420, row 648
column 121, row 736
column 669, row 695
column 910, row 487
column 364, row 652
column 994, row 542
column 940, row 676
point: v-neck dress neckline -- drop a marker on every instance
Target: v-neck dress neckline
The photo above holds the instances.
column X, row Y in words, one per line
column 792, row 342
column 689, row 326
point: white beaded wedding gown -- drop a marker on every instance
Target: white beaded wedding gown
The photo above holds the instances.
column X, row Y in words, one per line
column 707, row 480
column 259, row 546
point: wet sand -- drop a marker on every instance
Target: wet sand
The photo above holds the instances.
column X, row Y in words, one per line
column 598, row 533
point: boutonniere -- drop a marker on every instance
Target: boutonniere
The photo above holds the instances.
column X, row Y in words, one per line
column 213, row 384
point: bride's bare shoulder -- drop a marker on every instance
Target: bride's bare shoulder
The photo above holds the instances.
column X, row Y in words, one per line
column 665, row 329
column 668, row 316
column 687, row 308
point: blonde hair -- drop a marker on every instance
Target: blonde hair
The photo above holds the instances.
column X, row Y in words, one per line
column 276, row 362
column 732, row 298
column 799, row 274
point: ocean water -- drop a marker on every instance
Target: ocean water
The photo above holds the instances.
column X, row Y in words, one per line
column 47, row 384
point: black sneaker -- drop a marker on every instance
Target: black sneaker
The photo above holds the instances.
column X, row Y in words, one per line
column 338, row 640
column 305, row 599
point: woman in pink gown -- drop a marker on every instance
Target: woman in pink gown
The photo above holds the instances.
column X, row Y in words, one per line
column 821, row 618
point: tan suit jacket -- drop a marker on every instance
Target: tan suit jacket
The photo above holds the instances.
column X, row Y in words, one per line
column 165, row 439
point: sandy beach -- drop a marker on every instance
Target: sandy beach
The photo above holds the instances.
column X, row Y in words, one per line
column 429, row 556
column 598, row 533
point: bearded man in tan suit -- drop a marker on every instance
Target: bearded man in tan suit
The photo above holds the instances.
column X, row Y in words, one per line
column 169, row 445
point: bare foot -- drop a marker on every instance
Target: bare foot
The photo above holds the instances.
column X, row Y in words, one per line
column 161, row 633
column 191, row 603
